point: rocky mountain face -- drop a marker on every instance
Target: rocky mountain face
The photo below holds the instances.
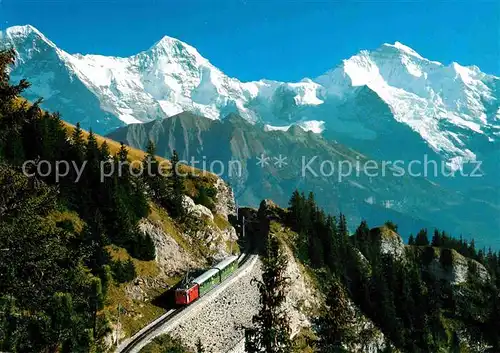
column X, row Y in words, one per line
column 411, row 202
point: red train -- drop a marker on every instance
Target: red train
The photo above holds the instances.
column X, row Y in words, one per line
column 206, row 281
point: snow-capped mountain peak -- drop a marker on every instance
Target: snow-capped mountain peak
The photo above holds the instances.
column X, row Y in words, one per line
column 450, row 107
column 24, row 34
column 404, row 48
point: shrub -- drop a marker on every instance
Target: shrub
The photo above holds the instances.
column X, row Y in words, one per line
column 205, row 197
column 123, row 271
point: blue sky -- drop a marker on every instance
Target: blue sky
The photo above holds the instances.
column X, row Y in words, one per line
column 282, row 40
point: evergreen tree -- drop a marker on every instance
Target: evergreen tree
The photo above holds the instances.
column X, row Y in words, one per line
column 271, row 331
column 177, row 207
column 123, row 271
column 96, row 303
column 411, row 240
column 104, row 153
column 296, row 209
column 78, row 147
column 421, row 239
column 392, row 226
column 152, row 174
column 436, row 239
column 336, row 327
column 363, row 231
column 332, row 244
column 145, row 248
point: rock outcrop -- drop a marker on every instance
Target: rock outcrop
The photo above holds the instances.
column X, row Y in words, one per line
column 225, row 204
column 389, row 241
column 444, row 264
column 455, row 269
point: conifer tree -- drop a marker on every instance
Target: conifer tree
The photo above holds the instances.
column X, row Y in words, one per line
column 392, row 226
column 104, row 153
column 421, row 239
column 336, row 327
column 177, row 208
column 363, row 231
column 296, row 209
column 332, row 244
column 152, row 174
column 343, row 232
column 436, row 239
column 96, row 302
column 122, row 159
column 271, row 329
column 92, row 150
column 78, row 143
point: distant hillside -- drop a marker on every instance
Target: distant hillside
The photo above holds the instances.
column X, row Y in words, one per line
column 412, row 202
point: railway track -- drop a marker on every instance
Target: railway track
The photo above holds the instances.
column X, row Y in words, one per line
column 148, row 331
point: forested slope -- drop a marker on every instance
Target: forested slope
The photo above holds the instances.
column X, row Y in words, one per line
column 69, row 238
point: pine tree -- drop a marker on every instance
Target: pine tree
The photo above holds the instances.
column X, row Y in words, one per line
column 271, row 329
column 177, row 208
column 332, row 244
column 436, row 239
column 152, row 174
column 336, row 327
column 96, row 303
column 363, row 231
column 122, row 159
column 146, row 247
column 392, row 226
column 104, row 153
column 78, row 147
column 296, row 209
column 92, row 150
column 61, row 315
column 411, row 240
column 421, row 239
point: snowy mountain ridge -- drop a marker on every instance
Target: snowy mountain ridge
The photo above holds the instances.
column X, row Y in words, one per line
column 454, row 109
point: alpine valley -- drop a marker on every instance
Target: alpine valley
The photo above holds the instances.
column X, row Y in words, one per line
column 367, row 107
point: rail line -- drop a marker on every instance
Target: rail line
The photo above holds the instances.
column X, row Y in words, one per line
column 144, row 334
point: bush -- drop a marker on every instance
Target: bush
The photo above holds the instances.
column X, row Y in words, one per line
column 143, row 248
column 123, row 271
column 206, row 197
column 428, row 255
column 446, row 258
column 392, row 226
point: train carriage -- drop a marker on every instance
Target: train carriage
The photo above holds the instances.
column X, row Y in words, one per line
column 207, row 281
column 187, row 295
column 227, row 267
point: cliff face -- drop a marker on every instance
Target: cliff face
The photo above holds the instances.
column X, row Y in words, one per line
column 305, row 301
column 390, row 242
column 444, row 264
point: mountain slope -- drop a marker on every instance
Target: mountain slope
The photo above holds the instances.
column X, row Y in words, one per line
column 452, row 111
column 232, row 147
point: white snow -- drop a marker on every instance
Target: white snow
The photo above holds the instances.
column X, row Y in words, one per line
column 276, row 128
column 442, row 104
column 312, row 125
